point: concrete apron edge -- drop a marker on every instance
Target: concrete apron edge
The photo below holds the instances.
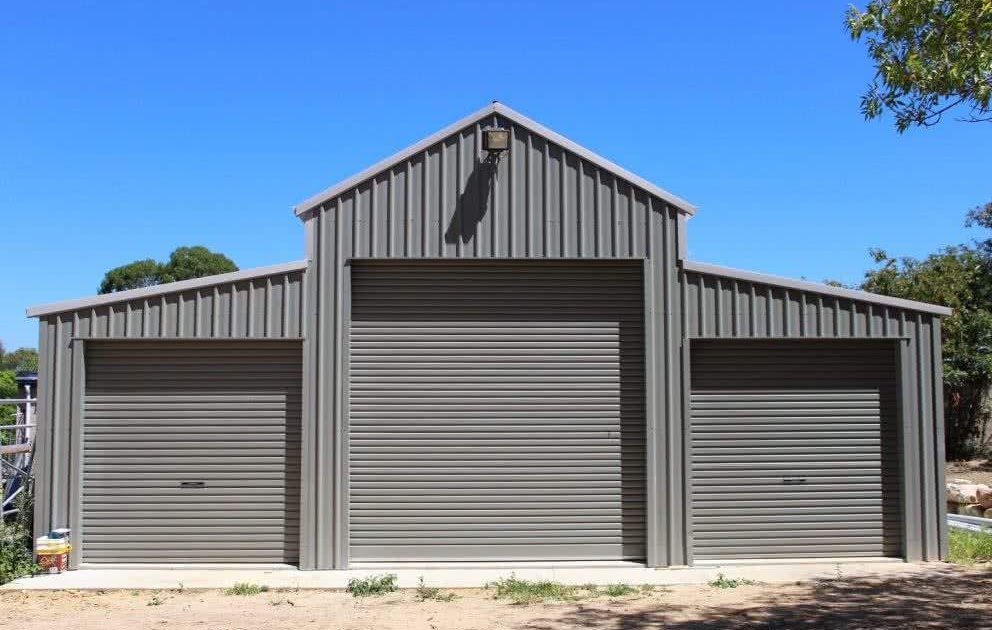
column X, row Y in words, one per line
column 448, row 577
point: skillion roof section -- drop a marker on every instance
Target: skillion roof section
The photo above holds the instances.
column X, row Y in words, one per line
column 164, row 289
column 814, row 287
column 515, row 117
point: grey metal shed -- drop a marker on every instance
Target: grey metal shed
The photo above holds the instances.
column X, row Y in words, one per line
column 503, row 355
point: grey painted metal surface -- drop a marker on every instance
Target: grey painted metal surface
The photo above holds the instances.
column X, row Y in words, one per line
column 190, row 452
column 819, row 289
column 504, row 112
column 169, row 288
column 541, row 201
column 497, row 411
column 726, row 307
column 795, row 449
column 260, row 308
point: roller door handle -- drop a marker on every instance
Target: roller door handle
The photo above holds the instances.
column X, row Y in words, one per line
column 793, row 482
column 192, row 484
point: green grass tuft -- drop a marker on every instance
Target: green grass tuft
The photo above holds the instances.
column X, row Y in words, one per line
column 246, row 588
column 619, row 590
column 529, row 592
column 966, row 547
column 723, row 581
column 372, row 585
column 425, row 593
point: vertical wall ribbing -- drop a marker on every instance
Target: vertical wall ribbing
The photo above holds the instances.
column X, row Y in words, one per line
column 921, row 399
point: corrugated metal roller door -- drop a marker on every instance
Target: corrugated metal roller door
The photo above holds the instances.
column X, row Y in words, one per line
column 794, row 449
column 496, row 411
column 191, row 452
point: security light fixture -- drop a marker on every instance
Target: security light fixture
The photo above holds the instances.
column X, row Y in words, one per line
column 496, row 140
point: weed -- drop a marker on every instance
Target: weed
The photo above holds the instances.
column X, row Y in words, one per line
column 619, row 590
column 155, row 601
column 280, row 602
column 372, row 585
column 723, row 581
column 529, row 592
column 425, row 592
column 648, row 588
column 181, row 588
column 246, row 588
column 966, row 547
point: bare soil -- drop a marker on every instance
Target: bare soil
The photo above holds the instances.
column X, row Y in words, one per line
column 946, row 597
column 975, row 470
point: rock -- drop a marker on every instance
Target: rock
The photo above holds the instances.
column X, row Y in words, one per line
column 988, row 513
column 984, row 496
column 971, row 510
column 962, row 492
column 958, row 481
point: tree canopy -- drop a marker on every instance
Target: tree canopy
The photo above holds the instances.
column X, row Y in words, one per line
column 930, row 56
column 959, row 277
column 184, row 263
column 20, row 359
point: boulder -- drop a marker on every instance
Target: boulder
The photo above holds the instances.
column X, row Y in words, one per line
column 984, row 496
column 962, row 492
column 971, row 510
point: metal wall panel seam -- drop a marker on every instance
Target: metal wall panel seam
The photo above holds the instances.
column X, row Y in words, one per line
column 342, row 302
column 938, row 432
column 77, row 424
column 928, row 497
column 311, row 372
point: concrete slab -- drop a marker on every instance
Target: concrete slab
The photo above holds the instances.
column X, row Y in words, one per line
column 448, row 575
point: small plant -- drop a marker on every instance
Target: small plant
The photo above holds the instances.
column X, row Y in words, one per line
column 723, row 581
column 529, row 592
column 246, row 588
column 648, row 588
column 425, row 593
column 280, row 602
column 965, row 547
column 372, row 585
column 155, row 601
column 619, row 590
column 16, row 543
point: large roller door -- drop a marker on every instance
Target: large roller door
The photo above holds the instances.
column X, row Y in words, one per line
column 191, row 452
column 794, row 449
column 496, row 411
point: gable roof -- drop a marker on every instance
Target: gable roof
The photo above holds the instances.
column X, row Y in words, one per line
column 163, row 289
column 814, row 287
column 502, row 110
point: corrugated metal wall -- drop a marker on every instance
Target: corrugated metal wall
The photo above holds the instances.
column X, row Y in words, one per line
column 539, row 201
column 719, row 307
column 269, row 307
column 497, row 411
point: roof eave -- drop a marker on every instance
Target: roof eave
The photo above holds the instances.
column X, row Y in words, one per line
column 815, row 287
column 163, row 289
column 502, row 110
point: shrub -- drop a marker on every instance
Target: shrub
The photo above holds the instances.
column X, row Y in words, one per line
column 16, row 542
column 372, row 585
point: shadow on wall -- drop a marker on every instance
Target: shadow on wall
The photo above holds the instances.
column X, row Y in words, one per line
column 942, row 598
column 473, row 203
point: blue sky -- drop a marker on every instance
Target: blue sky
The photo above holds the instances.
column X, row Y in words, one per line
column 127, row 129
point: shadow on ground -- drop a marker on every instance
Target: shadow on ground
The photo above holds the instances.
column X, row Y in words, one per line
column 943, row 598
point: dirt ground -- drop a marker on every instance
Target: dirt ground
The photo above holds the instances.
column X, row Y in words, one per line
column 946, row 597
column 975, row 471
